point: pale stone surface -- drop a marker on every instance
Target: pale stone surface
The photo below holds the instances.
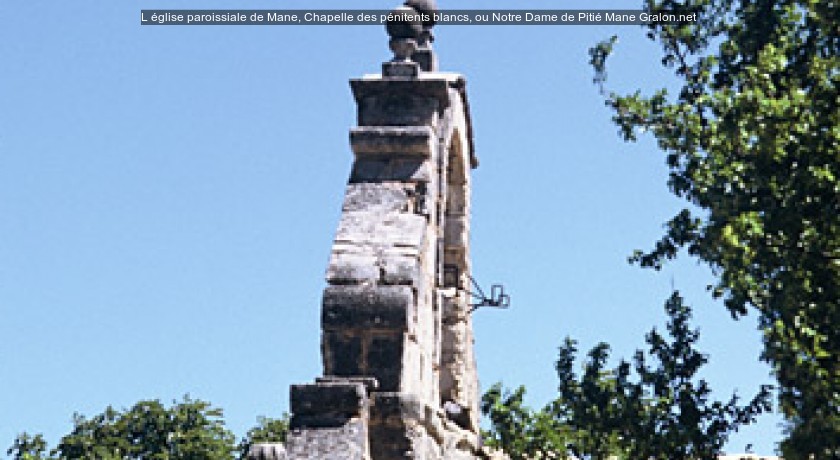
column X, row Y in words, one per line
column 376, row 229
column 348, row 442
column 267, row 451
column 401, row 69
column 347, row 268
column 459, row 382
column 377, row 198
column 400, row 270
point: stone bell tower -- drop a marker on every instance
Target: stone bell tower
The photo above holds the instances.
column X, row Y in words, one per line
column 397, row 345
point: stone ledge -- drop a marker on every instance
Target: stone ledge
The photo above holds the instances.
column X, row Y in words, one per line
column 367, row 307
column 369, row 383
column 379, row 169
column 432, row 85
column 327, row 404
column 392, row 141
column 350, row 269
column 384, row 230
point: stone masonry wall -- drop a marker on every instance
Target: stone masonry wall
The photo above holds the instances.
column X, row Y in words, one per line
column 399, row 371
column 394, row 310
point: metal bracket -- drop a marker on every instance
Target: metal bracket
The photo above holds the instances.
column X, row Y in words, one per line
column 497, row 299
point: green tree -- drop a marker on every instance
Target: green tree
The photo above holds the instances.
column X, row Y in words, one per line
column 523, row 433
column 27, row 447
column 752, row 139
column 655, row 408
column 188, row 430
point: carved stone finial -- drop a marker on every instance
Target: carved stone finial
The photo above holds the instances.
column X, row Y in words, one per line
column 403, row 48
column 428, row 8
column 424, row 55
column 404, row 22
column 410, row 29
column 405, row 27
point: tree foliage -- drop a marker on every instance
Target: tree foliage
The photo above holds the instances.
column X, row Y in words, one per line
column 653, row 408
column 27, row 447
column 188, row 430
column 520, row 431
column 752, row 139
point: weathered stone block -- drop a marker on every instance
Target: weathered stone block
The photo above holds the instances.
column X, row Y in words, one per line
column 394, row 169
column 392, row 140
column 342, row 354
column 336, row 400
column 400, row 69
column 367, row 307
column 394, row 408
column 397, row 109
column 390, row 443
column 375, row 197
column 384, row 360
column 400, row 270
column 434, row 87
column 371, row 228
column 457, row 231
column 406, row 428
column 347, row 442
column 351, row 269
column 267, row 451
column 456, row 203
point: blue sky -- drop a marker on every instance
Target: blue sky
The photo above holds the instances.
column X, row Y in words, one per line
column 168, row 198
